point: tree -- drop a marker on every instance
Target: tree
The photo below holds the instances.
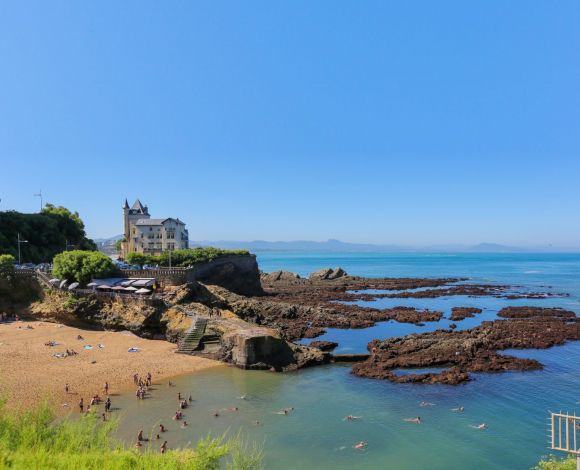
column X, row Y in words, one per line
column 118, row 244
column 138, row 258
column 47, row 233
column 82, row 266
column 7, row 266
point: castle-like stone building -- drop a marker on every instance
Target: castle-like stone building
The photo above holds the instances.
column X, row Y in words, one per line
column 152, row 236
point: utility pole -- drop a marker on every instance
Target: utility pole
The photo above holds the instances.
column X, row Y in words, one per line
column 20, row 240
column 39, row 194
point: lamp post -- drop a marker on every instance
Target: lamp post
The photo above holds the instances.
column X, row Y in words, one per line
column 20, row 240
column 39, row 194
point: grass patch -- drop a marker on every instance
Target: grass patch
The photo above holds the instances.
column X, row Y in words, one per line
column 36, row 440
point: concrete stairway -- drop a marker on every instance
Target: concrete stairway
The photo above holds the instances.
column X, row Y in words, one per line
column 193, row 336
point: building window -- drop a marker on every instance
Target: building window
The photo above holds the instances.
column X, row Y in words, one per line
column 170, row 234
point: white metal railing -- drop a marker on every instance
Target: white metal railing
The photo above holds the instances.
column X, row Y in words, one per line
column 565, row 434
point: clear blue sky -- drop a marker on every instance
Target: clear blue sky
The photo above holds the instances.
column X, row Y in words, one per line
column 419, row 122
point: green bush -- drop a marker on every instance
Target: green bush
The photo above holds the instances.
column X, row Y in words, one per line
column 7, row 266
column 82, row 266
column 184, row 258
column 553, row 463
column 35, row 440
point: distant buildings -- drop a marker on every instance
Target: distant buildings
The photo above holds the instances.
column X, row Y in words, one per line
column 151, row 236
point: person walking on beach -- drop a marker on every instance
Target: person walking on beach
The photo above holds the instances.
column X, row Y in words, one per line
column 106, row 388
column 66, row 388
column 108, row 404
column 81, row 405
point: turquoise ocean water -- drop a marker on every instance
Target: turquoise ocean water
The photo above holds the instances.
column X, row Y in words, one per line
column 515, row 405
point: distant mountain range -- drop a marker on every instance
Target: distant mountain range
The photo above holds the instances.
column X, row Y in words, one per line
column 337, row 245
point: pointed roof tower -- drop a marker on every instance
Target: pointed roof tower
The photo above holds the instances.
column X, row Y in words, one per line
column 126, row 206
column 138, row 208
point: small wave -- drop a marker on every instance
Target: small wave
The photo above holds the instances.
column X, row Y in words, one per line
column 532, row 272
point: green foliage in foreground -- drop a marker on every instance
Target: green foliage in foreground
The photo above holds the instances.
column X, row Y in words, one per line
column 553, row 463
column 82, row 266
column 184, row 258
column 35, row 440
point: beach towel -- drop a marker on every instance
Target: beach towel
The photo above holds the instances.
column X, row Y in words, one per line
column 87, row 346
column 133, row 349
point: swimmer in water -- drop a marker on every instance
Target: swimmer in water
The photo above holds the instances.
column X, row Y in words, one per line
column 426, row 403
column 360, row 445
column 416, row 420
column 479, row 426
column 233, row 408
column 282, row 412
column 243, row 397
column 459, row 409
column 257, row 423
column 350, row 418
column 184, row 424
column 216, row 414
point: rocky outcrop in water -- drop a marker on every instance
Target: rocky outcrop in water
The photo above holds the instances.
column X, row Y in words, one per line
column 462, row 352
column 461, row 313
column 327, row 274
column 323, row 345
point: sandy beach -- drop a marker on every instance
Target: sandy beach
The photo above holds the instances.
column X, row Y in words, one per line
column 29, row 372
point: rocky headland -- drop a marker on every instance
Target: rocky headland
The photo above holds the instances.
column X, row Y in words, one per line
column 254, row 319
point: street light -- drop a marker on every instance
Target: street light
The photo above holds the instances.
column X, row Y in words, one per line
column 20, row 240
column 39, row 194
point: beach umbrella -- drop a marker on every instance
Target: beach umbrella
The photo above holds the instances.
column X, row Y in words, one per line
column 131, row 288
column 103, row 286
column 92, row 284
column 74, row 285
column 62, row 284
column 117, row 288
column 54, row 281
column 142, row 291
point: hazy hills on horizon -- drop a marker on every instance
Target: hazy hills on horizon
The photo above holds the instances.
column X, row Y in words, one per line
column 337, row 245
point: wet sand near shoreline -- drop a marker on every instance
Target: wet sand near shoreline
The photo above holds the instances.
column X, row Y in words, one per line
column 29, row 372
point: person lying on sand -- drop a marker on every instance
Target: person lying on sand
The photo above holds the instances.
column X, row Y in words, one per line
column 459, row 409
column 360, row 445
column 479, row 426
column 350, row 418
column 413, row 420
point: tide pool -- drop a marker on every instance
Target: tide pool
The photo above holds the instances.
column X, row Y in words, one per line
column 515, row 405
